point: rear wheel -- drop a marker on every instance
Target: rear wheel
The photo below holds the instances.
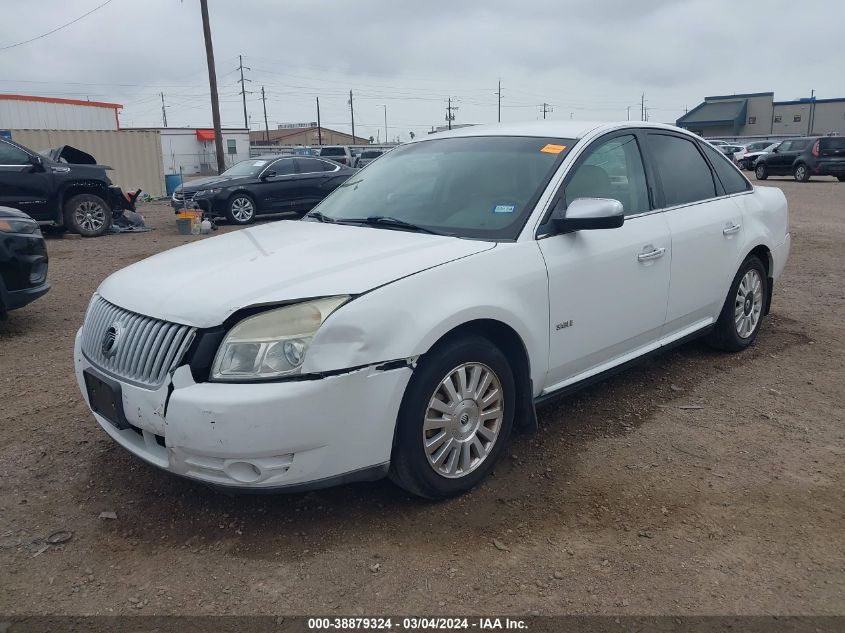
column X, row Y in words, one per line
column 241, row 209
column 761, row 172
column 742, row 312
column 88, row 215
column 801, row 173
column 743, row 164
column 455, row 419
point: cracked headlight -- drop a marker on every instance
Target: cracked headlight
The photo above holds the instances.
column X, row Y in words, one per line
column 272, row 344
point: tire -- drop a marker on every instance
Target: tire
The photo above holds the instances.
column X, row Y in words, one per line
column 761, row 172
column 88, row 215
column 453, row 464
column 240, row 209
column 801, row 172
column 741, row 316
column 743, row 164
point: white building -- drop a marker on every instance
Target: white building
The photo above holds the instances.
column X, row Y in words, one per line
column 192, row 149
column 26, row 112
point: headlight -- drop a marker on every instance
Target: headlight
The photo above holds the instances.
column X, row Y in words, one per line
column 274, row 343
column 204, row 193
column 18, row 225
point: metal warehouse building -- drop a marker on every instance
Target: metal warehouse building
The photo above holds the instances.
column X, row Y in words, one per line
column 26, row 112
column 758, row 114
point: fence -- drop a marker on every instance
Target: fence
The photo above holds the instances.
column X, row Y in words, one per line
column 134, row 155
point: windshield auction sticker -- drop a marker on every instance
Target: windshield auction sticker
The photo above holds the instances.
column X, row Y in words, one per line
column 552, row 149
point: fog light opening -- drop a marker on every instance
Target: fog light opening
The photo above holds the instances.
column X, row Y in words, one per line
column 244, row 472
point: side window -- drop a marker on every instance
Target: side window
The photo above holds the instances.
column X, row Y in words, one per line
column 326, row 165
column 612, row 169
column 684, row 174
column 283, row 167
column 731, row 179
column 11, row 155
column 785, row 146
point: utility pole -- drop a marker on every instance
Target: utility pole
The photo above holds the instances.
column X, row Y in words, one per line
column 629, row 113
column 241, row 81
column 385, row 122
column 642, row 108
column 499, row 94
column 450, row 112
column 212, row 84
column 163, row 111
column 546, row 108
column 319, row 126
column 266, row 126
column 352, row 112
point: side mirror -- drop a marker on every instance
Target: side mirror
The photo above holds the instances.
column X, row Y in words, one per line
column 585, row 214
column 775, row 150
column 37, row 163
column 268, row 174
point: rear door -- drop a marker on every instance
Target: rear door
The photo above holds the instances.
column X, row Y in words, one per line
column 23, row 185
column 706, row 228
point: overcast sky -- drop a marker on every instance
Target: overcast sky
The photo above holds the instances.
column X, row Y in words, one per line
column 589, row 59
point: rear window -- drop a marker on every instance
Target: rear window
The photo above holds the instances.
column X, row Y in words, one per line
column 832, row 142
column 370, row 154
column 332, row 151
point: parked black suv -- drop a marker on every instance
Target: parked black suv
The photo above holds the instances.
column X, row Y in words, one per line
column 803, row 158
column 65, row 187
column 23, row 260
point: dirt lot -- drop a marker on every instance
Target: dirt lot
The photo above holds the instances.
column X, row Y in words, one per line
column 623, row 503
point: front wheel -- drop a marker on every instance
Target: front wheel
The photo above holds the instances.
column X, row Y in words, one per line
column 742, row 313
column 743, row 164
column 801, row 173
column 761, row 172
column 88, row 215
column 241, row 209
column 455, row 418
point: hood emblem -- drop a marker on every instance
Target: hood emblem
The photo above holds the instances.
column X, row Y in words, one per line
column 111, row 340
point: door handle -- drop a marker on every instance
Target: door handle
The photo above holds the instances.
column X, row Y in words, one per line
column 657, row 253
column 731, row 228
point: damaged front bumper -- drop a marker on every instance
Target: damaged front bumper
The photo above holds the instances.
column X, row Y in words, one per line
column 279, row 436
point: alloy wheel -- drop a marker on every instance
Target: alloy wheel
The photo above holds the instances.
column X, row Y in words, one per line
column 242, row 209
column 748, row 304
column 90, row 216
column 463, row 420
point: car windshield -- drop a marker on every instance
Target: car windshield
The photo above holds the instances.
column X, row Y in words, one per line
column 332, row 151
column 482, row 186
column 246, row 168
column 370, row 154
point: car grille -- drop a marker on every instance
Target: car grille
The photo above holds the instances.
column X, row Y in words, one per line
column 138, row 348
column 178, row 196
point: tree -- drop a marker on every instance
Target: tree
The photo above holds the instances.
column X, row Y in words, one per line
column 412, row 135
column 372, row 140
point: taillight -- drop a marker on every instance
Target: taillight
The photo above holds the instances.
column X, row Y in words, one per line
column 816, row 148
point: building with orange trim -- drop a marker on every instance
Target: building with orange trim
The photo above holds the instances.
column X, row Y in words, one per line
column 30, row 112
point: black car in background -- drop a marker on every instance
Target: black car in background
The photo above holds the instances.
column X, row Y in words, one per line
column 23, row 260
column 65, row 187
column 263, row 186
column 803, row 158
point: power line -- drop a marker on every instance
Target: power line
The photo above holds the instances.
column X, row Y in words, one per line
column 58, row 28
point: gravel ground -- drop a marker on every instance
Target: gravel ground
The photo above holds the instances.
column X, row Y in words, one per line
column 623, row 503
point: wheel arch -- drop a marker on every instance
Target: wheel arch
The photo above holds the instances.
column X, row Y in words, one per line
column 764, row 254
column 513, row 347
column 76, row 188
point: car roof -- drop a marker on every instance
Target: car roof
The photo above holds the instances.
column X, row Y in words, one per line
column 549, row 129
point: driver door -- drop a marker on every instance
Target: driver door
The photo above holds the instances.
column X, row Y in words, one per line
column 608, row 288
column 23, row 185
column 279, row 186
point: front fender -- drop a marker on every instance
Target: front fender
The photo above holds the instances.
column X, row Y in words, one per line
column 404, row 319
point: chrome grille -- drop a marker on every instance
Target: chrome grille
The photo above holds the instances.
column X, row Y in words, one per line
column 178, row 196
column 138, row 348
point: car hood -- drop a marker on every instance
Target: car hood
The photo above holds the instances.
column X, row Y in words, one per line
column 212, row 181
column 204, row 283
column 9, row 212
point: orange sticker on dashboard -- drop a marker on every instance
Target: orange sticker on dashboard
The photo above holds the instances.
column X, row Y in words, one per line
column 553, row 149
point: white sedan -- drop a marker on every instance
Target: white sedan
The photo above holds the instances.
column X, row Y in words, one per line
column 424, row 308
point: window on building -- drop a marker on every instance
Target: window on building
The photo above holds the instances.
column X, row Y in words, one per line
column 752, row 120
column 778, row 118
column 685, row 175
column 231, row 146
column 796, row 118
